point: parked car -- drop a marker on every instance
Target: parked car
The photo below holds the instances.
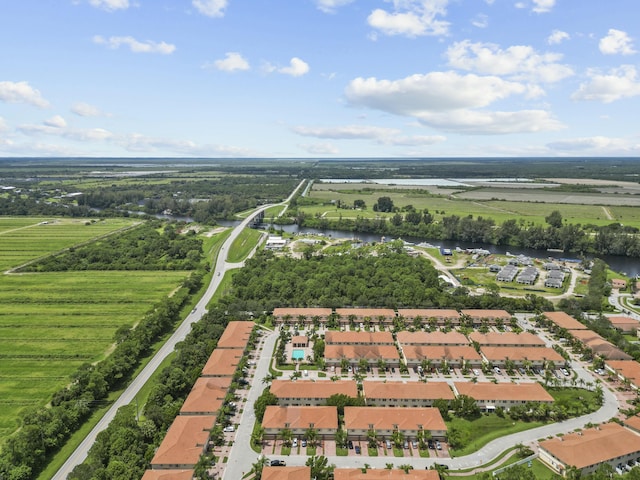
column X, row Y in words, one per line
column 565, row 372
column 406, row 445
column 350, row 444
column 388, row 444
column 303, row 443
column 278, row 463
column 358, row 451
column 497, row 370
column 430, row 444
column 414, row 445
column 230, row 428
column 476, row 372
column 438, row 446
column 295, row 443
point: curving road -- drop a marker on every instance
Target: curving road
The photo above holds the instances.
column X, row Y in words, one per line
column 129, row 395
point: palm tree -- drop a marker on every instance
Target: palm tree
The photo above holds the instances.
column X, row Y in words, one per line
column 372, row 438
column 268, row 378
column 311, row 436
column 286, row 435
column 256, row 468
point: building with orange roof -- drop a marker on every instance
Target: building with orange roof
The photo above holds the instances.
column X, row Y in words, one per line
column 236, row 335
column 564, row 320
column 633, row 423
column 376, row 316
column 324, row 420
column 624, row 324
column 507, row 339
column 432, row 338
column 628, row 370
column 206, row 396
column 490, row 317
column 299, row 341
column 410, row 394
column 588, row 449
column 384, row 474
column 168, row 475
column 598, row 345
column 372, row 354
column 333, row 337
column 442, row 316
column 223, row 362
column 618, row 283
column 358, row 421
column 310, row 393
column 286, row 473
column 438, row 355
column 185, row 441
column 521, row 356
column 489, row 395
column 305, row 316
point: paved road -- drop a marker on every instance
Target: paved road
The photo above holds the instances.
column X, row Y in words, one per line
column 129, row 395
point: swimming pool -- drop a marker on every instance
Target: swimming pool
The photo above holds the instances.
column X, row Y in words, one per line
column 297, row 354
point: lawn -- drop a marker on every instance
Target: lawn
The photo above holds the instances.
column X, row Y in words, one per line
column 243, row 245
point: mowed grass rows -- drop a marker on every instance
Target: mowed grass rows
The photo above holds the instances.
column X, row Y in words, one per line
column 51, row 323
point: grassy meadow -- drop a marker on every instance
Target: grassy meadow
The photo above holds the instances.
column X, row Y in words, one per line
column 51, row 323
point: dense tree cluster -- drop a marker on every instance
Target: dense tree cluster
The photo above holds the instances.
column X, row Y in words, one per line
column 150, row 246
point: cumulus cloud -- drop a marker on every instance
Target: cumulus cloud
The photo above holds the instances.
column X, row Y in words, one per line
column 616, row 42
column 232, row 62
column 56, row 121
column 543, row 6
column 21, row 92
column 330, row 6
column 319, row 149
column 596, row 145
column 211, row 8
column 86, row 110
column 296, row 68
column 518, row 61
column 110, row 5
column 557, row 36
column 481, row 21
column 57, row 126
column 134, row 45
column 411, row 18
column 619, row 83
column 141, row 143
column 449, row 101
column 381, row 135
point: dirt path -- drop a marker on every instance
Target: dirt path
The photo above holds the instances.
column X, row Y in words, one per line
column 607, row 212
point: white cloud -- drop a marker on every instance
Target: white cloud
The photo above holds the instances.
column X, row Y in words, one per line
column 543, row 6
column 381, row 135
column 211, row 8
column 412, row 18
column 232, row 62
column 330, row 6
column 518, row 61
column 136, row 46
column 141, row 143
column 110, row 5
column 616, row 42
column 557, row 36
column 618, row 83
column 597, row 145
column 56, row 121
column 296, row 68
column 21, row 92
column 3, row 125
column 480, row 21
column 435, row 91
column 85, row 110
column 319, row 149
column 491, row 123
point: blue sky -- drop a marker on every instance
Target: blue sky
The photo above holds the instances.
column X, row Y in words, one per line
column 319, row 78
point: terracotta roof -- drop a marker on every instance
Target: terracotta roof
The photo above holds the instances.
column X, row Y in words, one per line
column 528, row 392
column 223, row 362
column 236, row 335
column 629, row 369
column 478, row 313
column 300, row 417
column 400, row 390
column 380, row 474
column 624, row 323
column 207, row 395
column 585, row 335
column 185, row 440
column 356, row 352
column 168, row 475
column 373, row 338
column 374, row 313
column 518, row 354
column 432, row 338
column 564, row 320
column 593, row 446
column 310, row 389
column 427, row 313
column 286, row 473
column 633, row 423
column 438, row 352
column 307, row 312
column 507, row 338
column 297, row 339
column 383, row 418
column 599, row 345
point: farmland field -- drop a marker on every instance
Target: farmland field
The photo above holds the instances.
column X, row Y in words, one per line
column 51, row 323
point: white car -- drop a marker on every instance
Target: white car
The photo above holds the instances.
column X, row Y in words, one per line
column 295, row 443
column 230, row 428
column 476, row 372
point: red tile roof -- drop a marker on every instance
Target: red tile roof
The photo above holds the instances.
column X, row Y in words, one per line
column 307, row 312
column 207, row 395
column 427, row 313
column 507, row 338
column 528, row 392
column 310, row 389
column 409, row 390
column 333, row 337
column 593, row 446
column 168, row 475
column 380, row 474
column 374, row 313
column 300, row 417
column 626, row 324
column 564, row 320
column 439, row 352
column 185, row 440
column 432, row 338
column 356, row 352
column 519, row 354
column 223, row 362
column 629, row 369
column 480, row 314
column 236, row 335
column 286, row 473
column 383, row 418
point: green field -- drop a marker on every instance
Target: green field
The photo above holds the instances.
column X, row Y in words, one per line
column 51, row 323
